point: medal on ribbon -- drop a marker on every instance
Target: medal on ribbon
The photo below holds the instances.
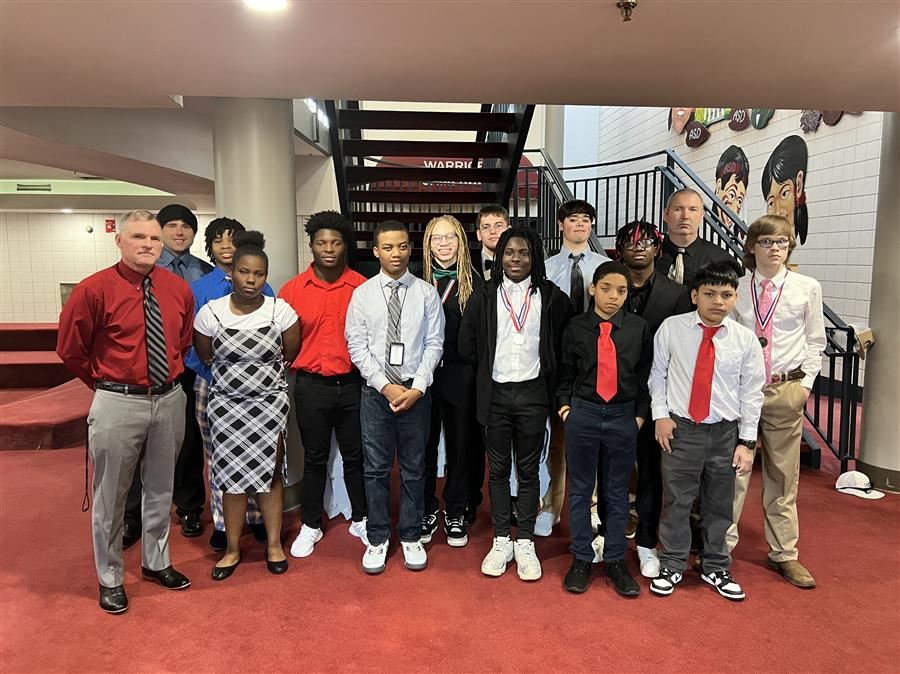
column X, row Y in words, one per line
column 518, row 320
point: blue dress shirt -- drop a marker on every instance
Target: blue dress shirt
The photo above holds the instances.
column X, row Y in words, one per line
column 194, row 267
column 211, row 287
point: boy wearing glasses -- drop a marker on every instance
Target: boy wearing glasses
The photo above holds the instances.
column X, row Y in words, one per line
column 571, row 270
column 653, row 297
column 492, row 220
column 784, row 309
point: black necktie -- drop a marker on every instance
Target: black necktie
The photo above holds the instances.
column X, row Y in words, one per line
column 576, row 289
column 157, row 361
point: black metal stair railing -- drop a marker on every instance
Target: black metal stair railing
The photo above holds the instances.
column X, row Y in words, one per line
column 638, row 188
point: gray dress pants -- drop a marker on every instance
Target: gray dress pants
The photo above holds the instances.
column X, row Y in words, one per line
column 120, row 428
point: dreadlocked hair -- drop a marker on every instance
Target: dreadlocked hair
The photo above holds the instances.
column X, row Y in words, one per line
column 217, row 228
column 463, row 259
column 535, row 247
column 635, row 231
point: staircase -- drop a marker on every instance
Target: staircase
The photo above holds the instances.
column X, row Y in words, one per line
column 412, row 181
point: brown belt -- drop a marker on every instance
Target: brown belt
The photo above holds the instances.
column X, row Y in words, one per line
column 781, row 377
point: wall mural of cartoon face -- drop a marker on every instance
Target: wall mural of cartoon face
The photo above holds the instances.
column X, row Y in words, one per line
column 732, row 176
column 679, row 117
column 784, row 184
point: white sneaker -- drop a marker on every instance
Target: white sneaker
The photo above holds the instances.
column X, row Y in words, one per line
column 375, row 558
column 358, row 529
column 649, row 562
column 598, row 544
column 501, row 554
column 414, row 555
column 305, row 542
column 526, row 560
column 543, row 525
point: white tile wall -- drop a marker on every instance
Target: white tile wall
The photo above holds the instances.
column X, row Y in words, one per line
column 38, row 251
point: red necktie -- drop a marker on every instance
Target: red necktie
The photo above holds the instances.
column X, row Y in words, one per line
column 701, row 388
column 607, row 370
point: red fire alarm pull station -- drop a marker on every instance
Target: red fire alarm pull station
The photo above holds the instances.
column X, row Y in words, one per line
column 110, row 225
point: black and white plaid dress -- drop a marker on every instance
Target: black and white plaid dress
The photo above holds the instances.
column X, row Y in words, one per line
column 248, row 407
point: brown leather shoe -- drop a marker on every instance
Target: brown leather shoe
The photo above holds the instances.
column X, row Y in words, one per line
column 794, row 573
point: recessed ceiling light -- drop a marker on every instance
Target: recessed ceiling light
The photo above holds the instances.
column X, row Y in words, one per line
column 66, row 210
column 266, row 5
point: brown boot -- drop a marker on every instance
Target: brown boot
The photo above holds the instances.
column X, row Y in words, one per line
column 794, row 573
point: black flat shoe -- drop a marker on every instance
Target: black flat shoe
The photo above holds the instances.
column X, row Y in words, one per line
column 625, row 585
column 113, row 599
column 131, row 534
column 168, row 577
column 276, row 567
column 218, row 541
column 223, row 572
column 191, row 526
column 259, row 532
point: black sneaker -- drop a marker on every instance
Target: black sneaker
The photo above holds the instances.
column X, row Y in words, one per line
column 725, row 585
column 578, row 578
column 664, row 584
column 622, row 581
column 455, row 528
column 429, row 526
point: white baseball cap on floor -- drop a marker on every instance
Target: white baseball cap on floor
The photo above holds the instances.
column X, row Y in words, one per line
column 858, row 484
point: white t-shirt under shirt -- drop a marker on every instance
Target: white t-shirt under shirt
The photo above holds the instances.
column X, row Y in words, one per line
column 205, row 323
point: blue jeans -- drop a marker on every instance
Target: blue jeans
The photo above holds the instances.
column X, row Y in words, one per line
column 382, row 432
column 595, row 433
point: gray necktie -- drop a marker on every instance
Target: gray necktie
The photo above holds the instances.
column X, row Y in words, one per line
column 392, row 372
column 178, row 266
column 576, row 281
column 676, row 273
column 157, row 361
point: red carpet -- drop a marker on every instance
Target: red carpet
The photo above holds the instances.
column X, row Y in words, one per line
column 326, row 615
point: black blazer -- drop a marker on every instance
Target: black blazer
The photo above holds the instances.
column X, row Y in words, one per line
column 478, row 264
column 478, row 340
column 666, row 298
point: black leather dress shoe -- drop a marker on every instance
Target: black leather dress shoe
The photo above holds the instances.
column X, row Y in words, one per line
column 168, row 577
column 218, row 541
column 625, row 585
column 131, row 534
column 276, row 567
column 191, row 526
column 578, row 579
column 113, row 599
column 223, row 572
column 259, row 532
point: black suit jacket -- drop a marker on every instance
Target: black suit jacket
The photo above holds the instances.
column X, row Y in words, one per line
column 666, row 298
column 478, row 266
column 697, row 255
column 478, row 340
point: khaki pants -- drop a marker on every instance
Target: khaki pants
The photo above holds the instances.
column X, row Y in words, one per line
column 781, row 425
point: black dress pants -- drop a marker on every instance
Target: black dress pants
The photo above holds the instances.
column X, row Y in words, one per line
column 516, row 426
column 189, row 491
column 326, row 404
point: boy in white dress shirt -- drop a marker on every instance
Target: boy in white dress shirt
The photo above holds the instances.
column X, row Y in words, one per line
column 784, row 309
column 705, row 385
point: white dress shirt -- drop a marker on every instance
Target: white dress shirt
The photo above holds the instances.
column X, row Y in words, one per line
column 798, row 324
column 421, row 329
column 559, row 269
column 737, row 379
column 515, row 362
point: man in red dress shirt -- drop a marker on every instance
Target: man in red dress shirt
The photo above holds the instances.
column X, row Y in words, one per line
column 125, row 332
column 328, row 385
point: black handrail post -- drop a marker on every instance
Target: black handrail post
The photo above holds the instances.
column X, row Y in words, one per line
column 337, row 153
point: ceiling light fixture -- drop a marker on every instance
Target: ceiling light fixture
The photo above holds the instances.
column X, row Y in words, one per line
column 626, row 7
column 66, row 210
column 266, row 5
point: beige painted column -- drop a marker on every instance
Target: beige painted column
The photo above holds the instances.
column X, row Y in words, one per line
column 253, row 147
column 879, row 455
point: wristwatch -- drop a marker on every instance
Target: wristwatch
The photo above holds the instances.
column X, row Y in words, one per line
column 749, row 444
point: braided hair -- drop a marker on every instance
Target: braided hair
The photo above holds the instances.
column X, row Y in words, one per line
column 217, row 228
column 463, row 260
column 635, row 231
column 535, row 248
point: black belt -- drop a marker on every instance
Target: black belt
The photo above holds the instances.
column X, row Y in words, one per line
column 132, row 389
column 781, row 377
column 352, row 377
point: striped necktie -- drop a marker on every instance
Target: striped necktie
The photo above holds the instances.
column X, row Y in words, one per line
column 392, row 372
column 576, row 283
column 157, row 361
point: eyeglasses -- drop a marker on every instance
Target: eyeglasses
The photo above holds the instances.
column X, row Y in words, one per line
column 643, row 244
column 443, row 238
column 768, row 243
column 496, row 227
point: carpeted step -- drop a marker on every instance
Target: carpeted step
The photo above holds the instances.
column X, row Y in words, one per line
column 28, row 336
column 49, row 420
column 31, row 369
